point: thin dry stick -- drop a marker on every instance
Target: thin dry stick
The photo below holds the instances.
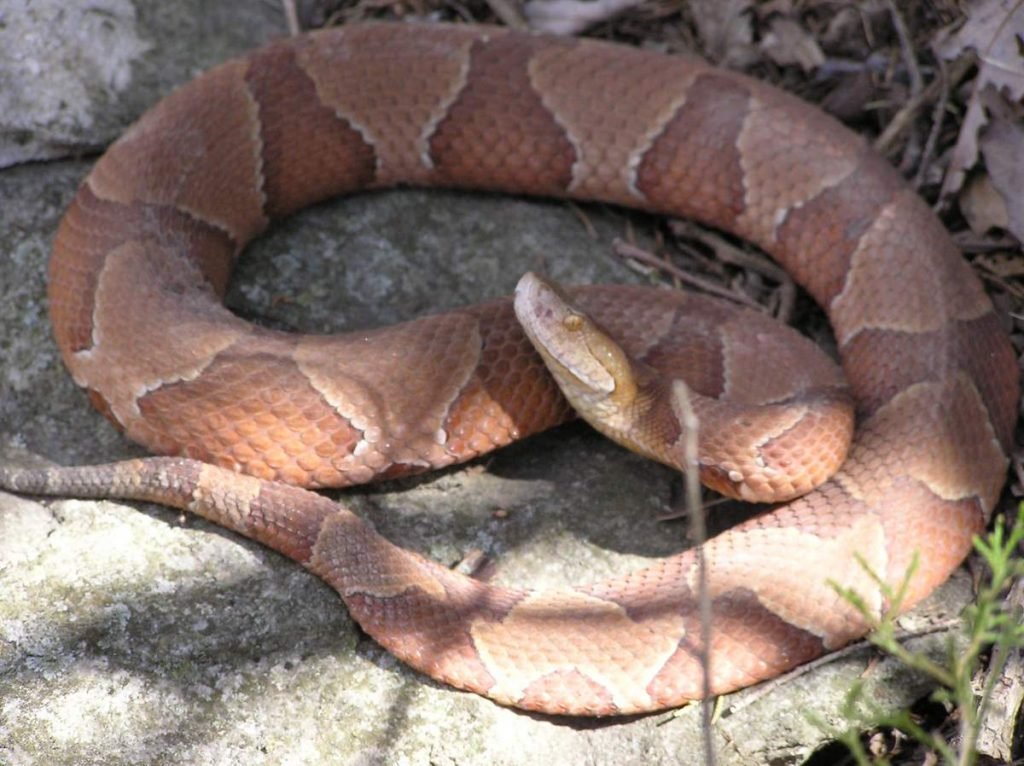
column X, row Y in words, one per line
column 938, row 117
column 508, row 12
column 1003, row 687
column 907, row 48
column 677, row 513
column 726, row 252
column 627, row 250
column 291, row 15
column 905, row 116
column 759, row 692
column 909, row 57
column 699, row 535
column 584, row 219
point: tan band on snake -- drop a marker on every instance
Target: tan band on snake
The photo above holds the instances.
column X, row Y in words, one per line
column 144, row 253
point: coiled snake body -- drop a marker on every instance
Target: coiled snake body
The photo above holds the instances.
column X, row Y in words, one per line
column 147, row 246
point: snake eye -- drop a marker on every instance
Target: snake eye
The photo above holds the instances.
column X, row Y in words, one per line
column 573, row 322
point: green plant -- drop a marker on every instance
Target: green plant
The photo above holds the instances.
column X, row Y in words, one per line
column 989, row 628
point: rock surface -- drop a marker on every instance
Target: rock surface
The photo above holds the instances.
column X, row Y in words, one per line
column 132, row 634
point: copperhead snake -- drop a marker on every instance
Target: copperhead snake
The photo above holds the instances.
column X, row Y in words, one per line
column 145, row 250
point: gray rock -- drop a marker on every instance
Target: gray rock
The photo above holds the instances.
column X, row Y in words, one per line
column 134, row 634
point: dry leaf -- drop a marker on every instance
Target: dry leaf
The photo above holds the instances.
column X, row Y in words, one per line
column 789, row 43
column 725, row 29
column 982, row 205
column 994, row 30
column 1002, row 145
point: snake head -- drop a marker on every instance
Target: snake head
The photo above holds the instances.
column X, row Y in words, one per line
column 593, row 371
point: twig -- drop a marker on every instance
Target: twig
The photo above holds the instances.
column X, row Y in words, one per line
column 627, row 250
column 508, row 12
column 907, row 48
column 584, row 219
column 475, row 564
column 699, row 535
column 938, row 118
column 909, row 57
column 677, row 513
column 291, row 15
column 749, row 697
column 1004, row 687
column 735, row 256
column 905, row 116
